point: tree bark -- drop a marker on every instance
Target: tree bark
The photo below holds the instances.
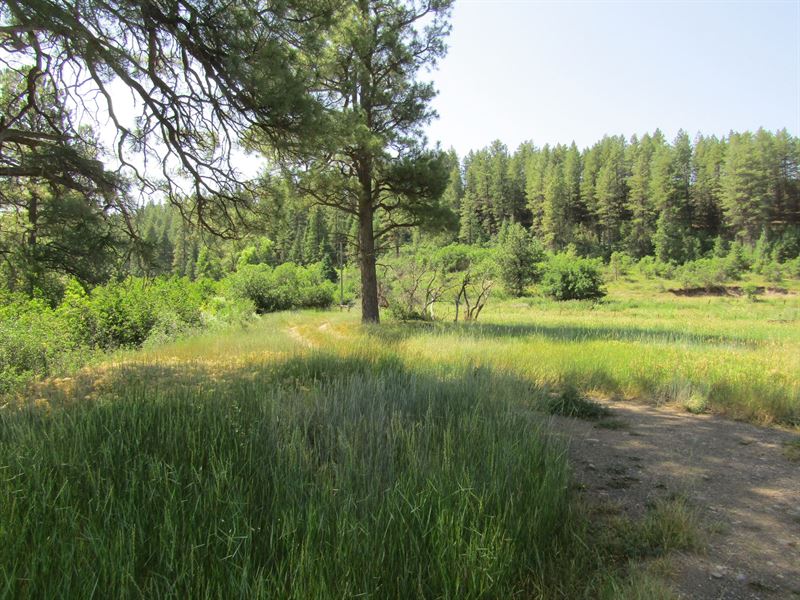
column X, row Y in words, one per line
column 370, row 312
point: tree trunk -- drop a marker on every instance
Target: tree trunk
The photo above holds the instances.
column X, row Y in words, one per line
column 369, row 277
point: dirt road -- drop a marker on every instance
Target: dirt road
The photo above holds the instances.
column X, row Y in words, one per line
column 737, row 476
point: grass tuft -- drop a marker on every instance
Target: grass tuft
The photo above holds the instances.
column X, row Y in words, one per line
column 792, row 450
column 669, row 525
column 571, row 403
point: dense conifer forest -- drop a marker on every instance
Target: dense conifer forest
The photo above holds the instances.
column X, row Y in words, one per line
column 675, row 201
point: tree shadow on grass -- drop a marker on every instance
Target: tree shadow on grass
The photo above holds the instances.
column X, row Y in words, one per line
column 397, row 332
column 112, row 381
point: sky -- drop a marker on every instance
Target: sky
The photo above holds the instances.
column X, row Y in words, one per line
column 557, row 72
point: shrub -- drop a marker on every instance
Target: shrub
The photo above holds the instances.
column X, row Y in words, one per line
column 569, row 277
column 412, row 286
column 620, row 264
column 703, row 273
column 772, row 271
column 518, row 259
column 751, row 291
column 33, row 341
column 222, row 310
column 125, row 313
column 652, row 268
column 456, row 258
column 792, row 267
column 285, row 287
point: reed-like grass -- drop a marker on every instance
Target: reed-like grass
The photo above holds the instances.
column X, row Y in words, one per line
column 321, row 477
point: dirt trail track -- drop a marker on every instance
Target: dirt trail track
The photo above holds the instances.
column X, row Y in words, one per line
column 737, row 476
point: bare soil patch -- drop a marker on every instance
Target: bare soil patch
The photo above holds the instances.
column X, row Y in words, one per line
column 728, row 290
column 739, row 477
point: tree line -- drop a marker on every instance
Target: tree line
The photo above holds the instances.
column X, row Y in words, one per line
column 329, row 93
column 676, row 202
column 644, row 196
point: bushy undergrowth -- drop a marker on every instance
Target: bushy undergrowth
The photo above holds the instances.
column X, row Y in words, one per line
column 33, row 339
column 568, row 277
column 319, row 478
column 283, row 287
column 708, row 273
column 39, row 339
column 124, row 314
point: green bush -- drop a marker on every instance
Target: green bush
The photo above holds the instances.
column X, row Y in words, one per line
column 518, row 259
column 568, row 277
column 456, row 258
column 751, row 291
column 220, row 311
column 652, row 268
column 709, row 272
column 33, row 341
column 620, row 264
column 124, row 314
column 285, row 287
column 773, row 271
column 37, row 340
column 792, row 267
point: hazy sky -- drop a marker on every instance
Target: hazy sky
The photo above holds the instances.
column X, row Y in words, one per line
column 563, row 71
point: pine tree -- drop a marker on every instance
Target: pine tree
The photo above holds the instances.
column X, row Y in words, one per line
column 640, row 205
column 518, row 258
column 555, row 219
column 470, row 230
column 611, row 194
column 745, row 188
column 370, row 160
column 315, row 240
column 517, row 183
column 669, row 188
column 165, row 251
column 455, row 186
column 576, row 209
column 706, row 192
column 498, row 186
column 535, row 170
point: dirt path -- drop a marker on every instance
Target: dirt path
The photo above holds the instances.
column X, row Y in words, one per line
column 295, row 334
column 736, row 475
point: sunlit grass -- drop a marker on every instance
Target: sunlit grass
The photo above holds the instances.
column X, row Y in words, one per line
column 307, row 456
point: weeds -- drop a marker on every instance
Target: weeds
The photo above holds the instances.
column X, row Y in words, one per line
column 670, row 524
column 792, row 450
column 571, row 403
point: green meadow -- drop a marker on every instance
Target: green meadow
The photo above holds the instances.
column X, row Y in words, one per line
column 308, row 456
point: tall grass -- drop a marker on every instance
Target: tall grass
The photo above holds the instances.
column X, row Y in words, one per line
column 725, row 355
column 322, row 477
column 308, row 457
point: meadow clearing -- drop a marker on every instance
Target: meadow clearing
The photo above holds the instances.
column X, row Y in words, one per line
column 309, row 456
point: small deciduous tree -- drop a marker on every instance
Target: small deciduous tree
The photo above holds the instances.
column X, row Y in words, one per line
column 473, row 286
